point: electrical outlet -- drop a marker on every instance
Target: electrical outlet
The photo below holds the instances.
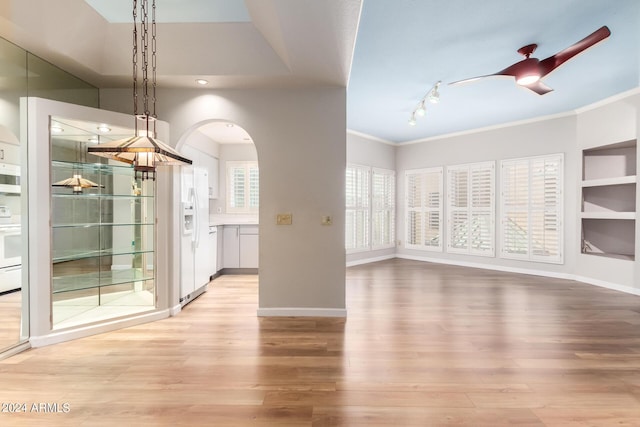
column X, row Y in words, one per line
column 284, row 219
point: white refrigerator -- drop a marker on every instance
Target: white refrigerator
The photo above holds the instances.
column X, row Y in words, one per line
column 194, row 250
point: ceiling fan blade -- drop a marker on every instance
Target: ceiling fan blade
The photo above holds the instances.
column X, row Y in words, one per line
column 472, row 79
column 539, row 88
column 551, row 63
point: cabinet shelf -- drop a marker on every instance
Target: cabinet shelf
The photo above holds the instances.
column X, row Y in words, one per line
column 85, row 196
column 92, row 280
column 102, row 168
column 102, row 224
column 71, row 255
column 622, row 180
column 609, row 215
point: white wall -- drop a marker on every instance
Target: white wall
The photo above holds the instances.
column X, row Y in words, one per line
column 367, row 151
column 553, row 135
column 300, row 140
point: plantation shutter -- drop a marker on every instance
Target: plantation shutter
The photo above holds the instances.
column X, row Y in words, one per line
column 383, row 208
column 424, row 209
column 515, row 208
column 471, row 220
column 546, row 203
column 357, row 208
column 532, row 208
column 243, row 187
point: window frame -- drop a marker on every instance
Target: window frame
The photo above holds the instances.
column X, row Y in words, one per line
column 558, row 211
column 425, row 210
column 388, row 206
column 250, row 194
column 470, row 210
column 361, row 208
column 365, row 205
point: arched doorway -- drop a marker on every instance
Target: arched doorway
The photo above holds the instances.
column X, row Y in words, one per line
column 218, row 231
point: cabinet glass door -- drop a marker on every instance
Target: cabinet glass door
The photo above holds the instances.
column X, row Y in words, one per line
column 103, row 258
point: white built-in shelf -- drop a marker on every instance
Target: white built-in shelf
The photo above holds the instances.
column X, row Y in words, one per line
column 624, row 257
column 622, row 180
column 609, row 190
column 608, row 215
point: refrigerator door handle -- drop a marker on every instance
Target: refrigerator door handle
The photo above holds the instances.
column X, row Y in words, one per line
column 196, row 219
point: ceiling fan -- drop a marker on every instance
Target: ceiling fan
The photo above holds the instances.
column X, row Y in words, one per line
column 529, row 71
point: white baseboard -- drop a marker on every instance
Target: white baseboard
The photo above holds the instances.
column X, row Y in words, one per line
column 302, row 312
column 528, row 271
column 533, row 272
column 175, row 310
column 370, row 260
column 85, row 331
column 608, row 285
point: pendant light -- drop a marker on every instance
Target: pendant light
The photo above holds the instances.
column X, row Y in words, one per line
column 76, row 182
column 142, row 150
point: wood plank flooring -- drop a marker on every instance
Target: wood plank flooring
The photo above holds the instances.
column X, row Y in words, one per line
column 423, row 345
column 10, row 318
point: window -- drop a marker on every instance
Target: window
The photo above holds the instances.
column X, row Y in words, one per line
column 471, row 211
column 532, row 208
column 370, row 208
column 357, row 204
column 243, row 187
column 424, row 209
column 383, row 208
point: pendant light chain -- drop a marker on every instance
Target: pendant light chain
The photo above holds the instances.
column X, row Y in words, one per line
column 135, row 62
column 142, row 150
column 144, row 39
column 153, row 63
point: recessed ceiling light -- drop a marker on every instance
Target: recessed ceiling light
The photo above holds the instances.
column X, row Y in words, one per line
column 229, row 125
column 55, row 128
column 202, row 82
column 104, row 128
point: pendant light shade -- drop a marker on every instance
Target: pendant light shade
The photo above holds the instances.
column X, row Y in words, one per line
column 142, row 150
column 78, row 183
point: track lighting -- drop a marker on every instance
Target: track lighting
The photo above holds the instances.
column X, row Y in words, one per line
column 433, row 96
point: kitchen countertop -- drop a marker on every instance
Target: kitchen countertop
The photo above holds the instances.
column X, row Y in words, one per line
column 231, row 219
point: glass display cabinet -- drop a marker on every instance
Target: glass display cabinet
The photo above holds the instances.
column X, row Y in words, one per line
column 102, row 231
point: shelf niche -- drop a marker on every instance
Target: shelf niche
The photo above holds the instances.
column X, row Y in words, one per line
column 609, row 200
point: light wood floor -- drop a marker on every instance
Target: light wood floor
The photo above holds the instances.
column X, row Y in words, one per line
column 423, row 345
column 10, row 318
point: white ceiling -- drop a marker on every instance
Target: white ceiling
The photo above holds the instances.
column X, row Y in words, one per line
column 403, row 47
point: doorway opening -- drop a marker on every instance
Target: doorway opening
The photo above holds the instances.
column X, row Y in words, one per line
column 219, row 205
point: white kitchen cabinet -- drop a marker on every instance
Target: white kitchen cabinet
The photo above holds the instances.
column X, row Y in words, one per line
column 231, row 246
column 240, row 246
column 9, row 153
column 249, row 246
column 213, row 166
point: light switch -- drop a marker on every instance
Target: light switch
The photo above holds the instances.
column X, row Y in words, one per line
column 327, row 220
column 284, row 219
